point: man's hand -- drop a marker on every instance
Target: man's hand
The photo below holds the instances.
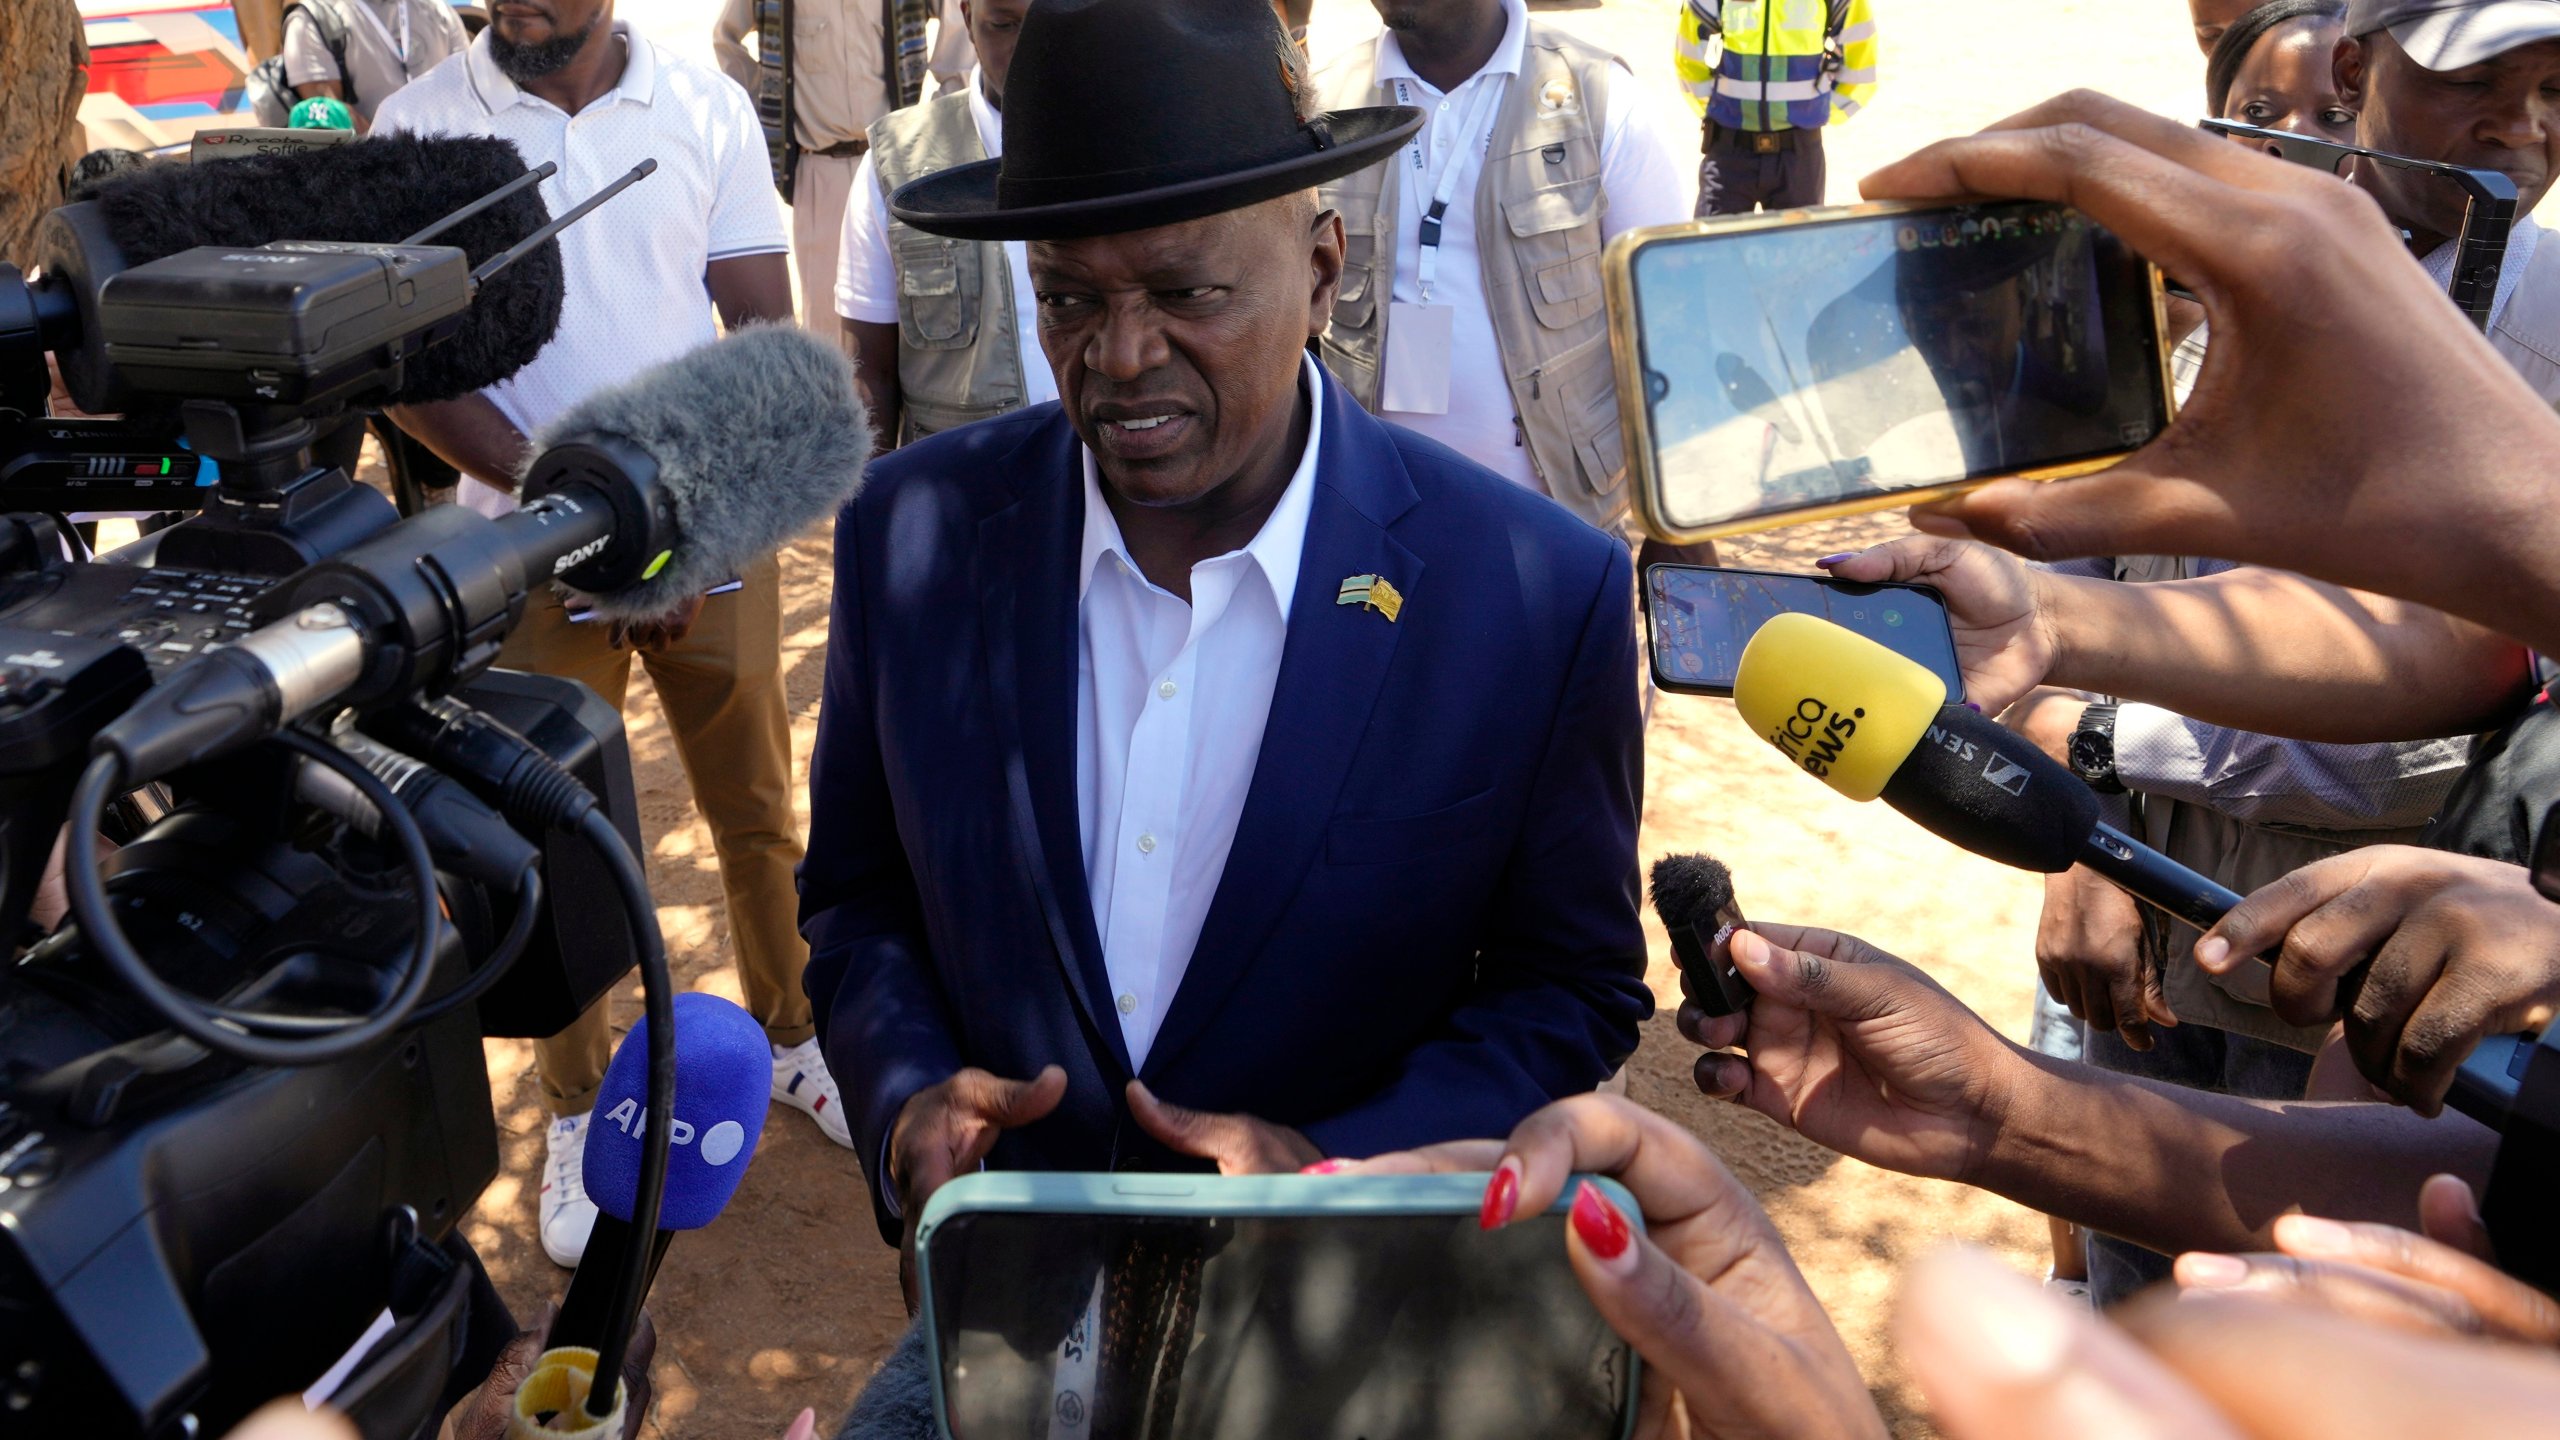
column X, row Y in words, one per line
column 2005, row 641
column 1241, row 1144
column 2428, row 1284
column 2090, row 954
column 947, row 1129
column 1707, row 1295
column 1861, row 1052
column 2422, row 953
column 656, row 635
column 2347, row 423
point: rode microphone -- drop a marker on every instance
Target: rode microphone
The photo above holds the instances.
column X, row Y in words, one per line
column 382, row 190
column 723, row 1087
column 1694, row 896
column 647, row 495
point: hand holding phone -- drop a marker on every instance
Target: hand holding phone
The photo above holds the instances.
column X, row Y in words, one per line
column 1706, row 1291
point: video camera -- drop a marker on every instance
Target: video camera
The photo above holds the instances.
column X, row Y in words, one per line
column 243, row 1100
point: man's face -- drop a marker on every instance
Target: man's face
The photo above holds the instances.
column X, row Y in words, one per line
column 2212, row 17
column 1177, row 349
column 1422, row 14
column 2289, row 82
column 533, row 38
column 2502, row 114
column 993, row 27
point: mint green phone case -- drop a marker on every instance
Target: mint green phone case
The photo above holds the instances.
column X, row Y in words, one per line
column 1234, row 1197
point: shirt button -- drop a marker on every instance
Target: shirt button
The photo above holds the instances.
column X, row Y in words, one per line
column 1167, row 689
column 1128, row 1004
column 1146, row 844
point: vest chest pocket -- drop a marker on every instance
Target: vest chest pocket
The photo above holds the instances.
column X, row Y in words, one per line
column 1555, row 233
column 939, row 288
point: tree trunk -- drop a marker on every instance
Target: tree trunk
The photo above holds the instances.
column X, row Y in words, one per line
column 44, row 69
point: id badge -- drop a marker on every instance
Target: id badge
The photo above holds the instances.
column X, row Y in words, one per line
column 1418, row 342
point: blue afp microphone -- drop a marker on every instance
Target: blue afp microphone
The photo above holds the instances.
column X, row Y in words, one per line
column 724, row 1085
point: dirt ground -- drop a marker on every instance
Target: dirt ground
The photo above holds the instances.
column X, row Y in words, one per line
column 790, row 1300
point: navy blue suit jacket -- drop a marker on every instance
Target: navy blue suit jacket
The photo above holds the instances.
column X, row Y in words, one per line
column 1427, row 927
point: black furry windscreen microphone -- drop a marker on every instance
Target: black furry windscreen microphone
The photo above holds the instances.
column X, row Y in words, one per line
column 756, row 437
column 1694, row 896
column 373, row 191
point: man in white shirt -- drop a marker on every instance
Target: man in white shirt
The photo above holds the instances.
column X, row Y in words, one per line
column 386, row 44
column 1470, row 310
column 644, row 274
column 942, row 332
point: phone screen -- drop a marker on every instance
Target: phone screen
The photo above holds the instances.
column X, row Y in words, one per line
column 1702, row 617
column 1335, row 1327
column 1807, row 364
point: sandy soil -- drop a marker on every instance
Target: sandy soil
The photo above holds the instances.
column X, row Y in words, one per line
column 790, row 1299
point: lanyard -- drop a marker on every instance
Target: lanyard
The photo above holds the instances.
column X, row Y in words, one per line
column 1482, row 111
column 399, row 46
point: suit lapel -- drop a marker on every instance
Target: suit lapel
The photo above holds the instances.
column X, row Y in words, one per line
column 1028, row 553
column 1331, row 668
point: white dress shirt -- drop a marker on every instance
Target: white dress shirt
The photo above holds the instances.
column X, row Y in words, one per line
column 1171, row 700
column 636, row 293
column 867, row 278
column 1647, row 173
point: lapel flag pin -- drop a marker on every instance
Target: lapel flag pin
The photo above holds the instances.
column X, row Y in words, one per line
column 1372, row 591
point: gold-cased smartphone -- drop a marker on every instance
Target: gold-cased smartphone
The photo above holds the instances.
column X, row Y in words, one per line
column 1805, row 364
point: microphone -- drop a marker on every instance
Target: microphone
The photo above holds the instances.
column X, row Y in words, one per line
column 1869, row 723
column 647, row 495
column 1694, row 896
column 1873, row 724
column 381, row 190
column 723, row 1087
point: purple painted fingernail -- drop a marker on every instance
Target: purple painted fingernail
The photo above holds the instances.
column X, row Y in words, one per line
column 1827, row 561
column 1976, row 709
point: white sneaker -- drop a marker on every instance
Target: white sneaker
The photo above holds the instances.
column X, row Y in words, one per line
column 2070, row 1292
column 568, row 1216
column 801, row 1081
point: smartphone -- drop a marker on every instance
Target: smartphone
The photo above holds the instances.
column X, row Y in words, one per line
column 1280, row 1307
column 1701, row 616
column 2488, row 203
column 1804, row 364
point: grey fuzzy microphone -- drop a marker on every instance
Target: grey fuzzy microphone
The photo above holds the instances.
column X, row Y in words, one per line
column 754, row 438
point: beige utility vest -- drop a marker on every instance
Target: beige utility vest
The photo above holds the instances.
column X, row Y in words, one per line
column 958, row 360
column 1538, row 207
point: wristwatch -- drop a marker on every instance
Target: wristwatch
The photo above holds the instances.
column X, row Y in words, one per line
column 2093, row 749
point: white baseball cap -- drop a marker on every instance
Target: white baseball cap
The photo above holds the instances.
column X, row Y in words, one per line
column 2452, row 34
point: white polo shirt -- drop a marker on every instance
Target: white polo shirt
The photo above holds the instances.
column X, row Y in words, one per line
column 635, row 267
column 1648, row 172
column 867, row 278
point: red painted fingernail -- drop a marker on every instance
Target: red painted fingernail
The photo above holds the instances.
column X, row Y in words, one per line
column 1326, row 1167
column 1603, row 1230
column 1501, row 1196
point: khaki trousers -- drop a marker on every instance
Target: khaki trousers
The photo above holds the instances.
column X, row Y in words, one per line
column 820, row 189
column 721, row 687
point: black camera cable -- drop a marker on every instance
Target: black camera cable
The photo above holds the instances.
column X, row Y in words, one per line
column 256, row 1037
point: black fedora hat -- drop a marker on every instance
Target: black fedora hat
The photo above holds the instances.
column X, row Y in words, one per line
column 1124, row 115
